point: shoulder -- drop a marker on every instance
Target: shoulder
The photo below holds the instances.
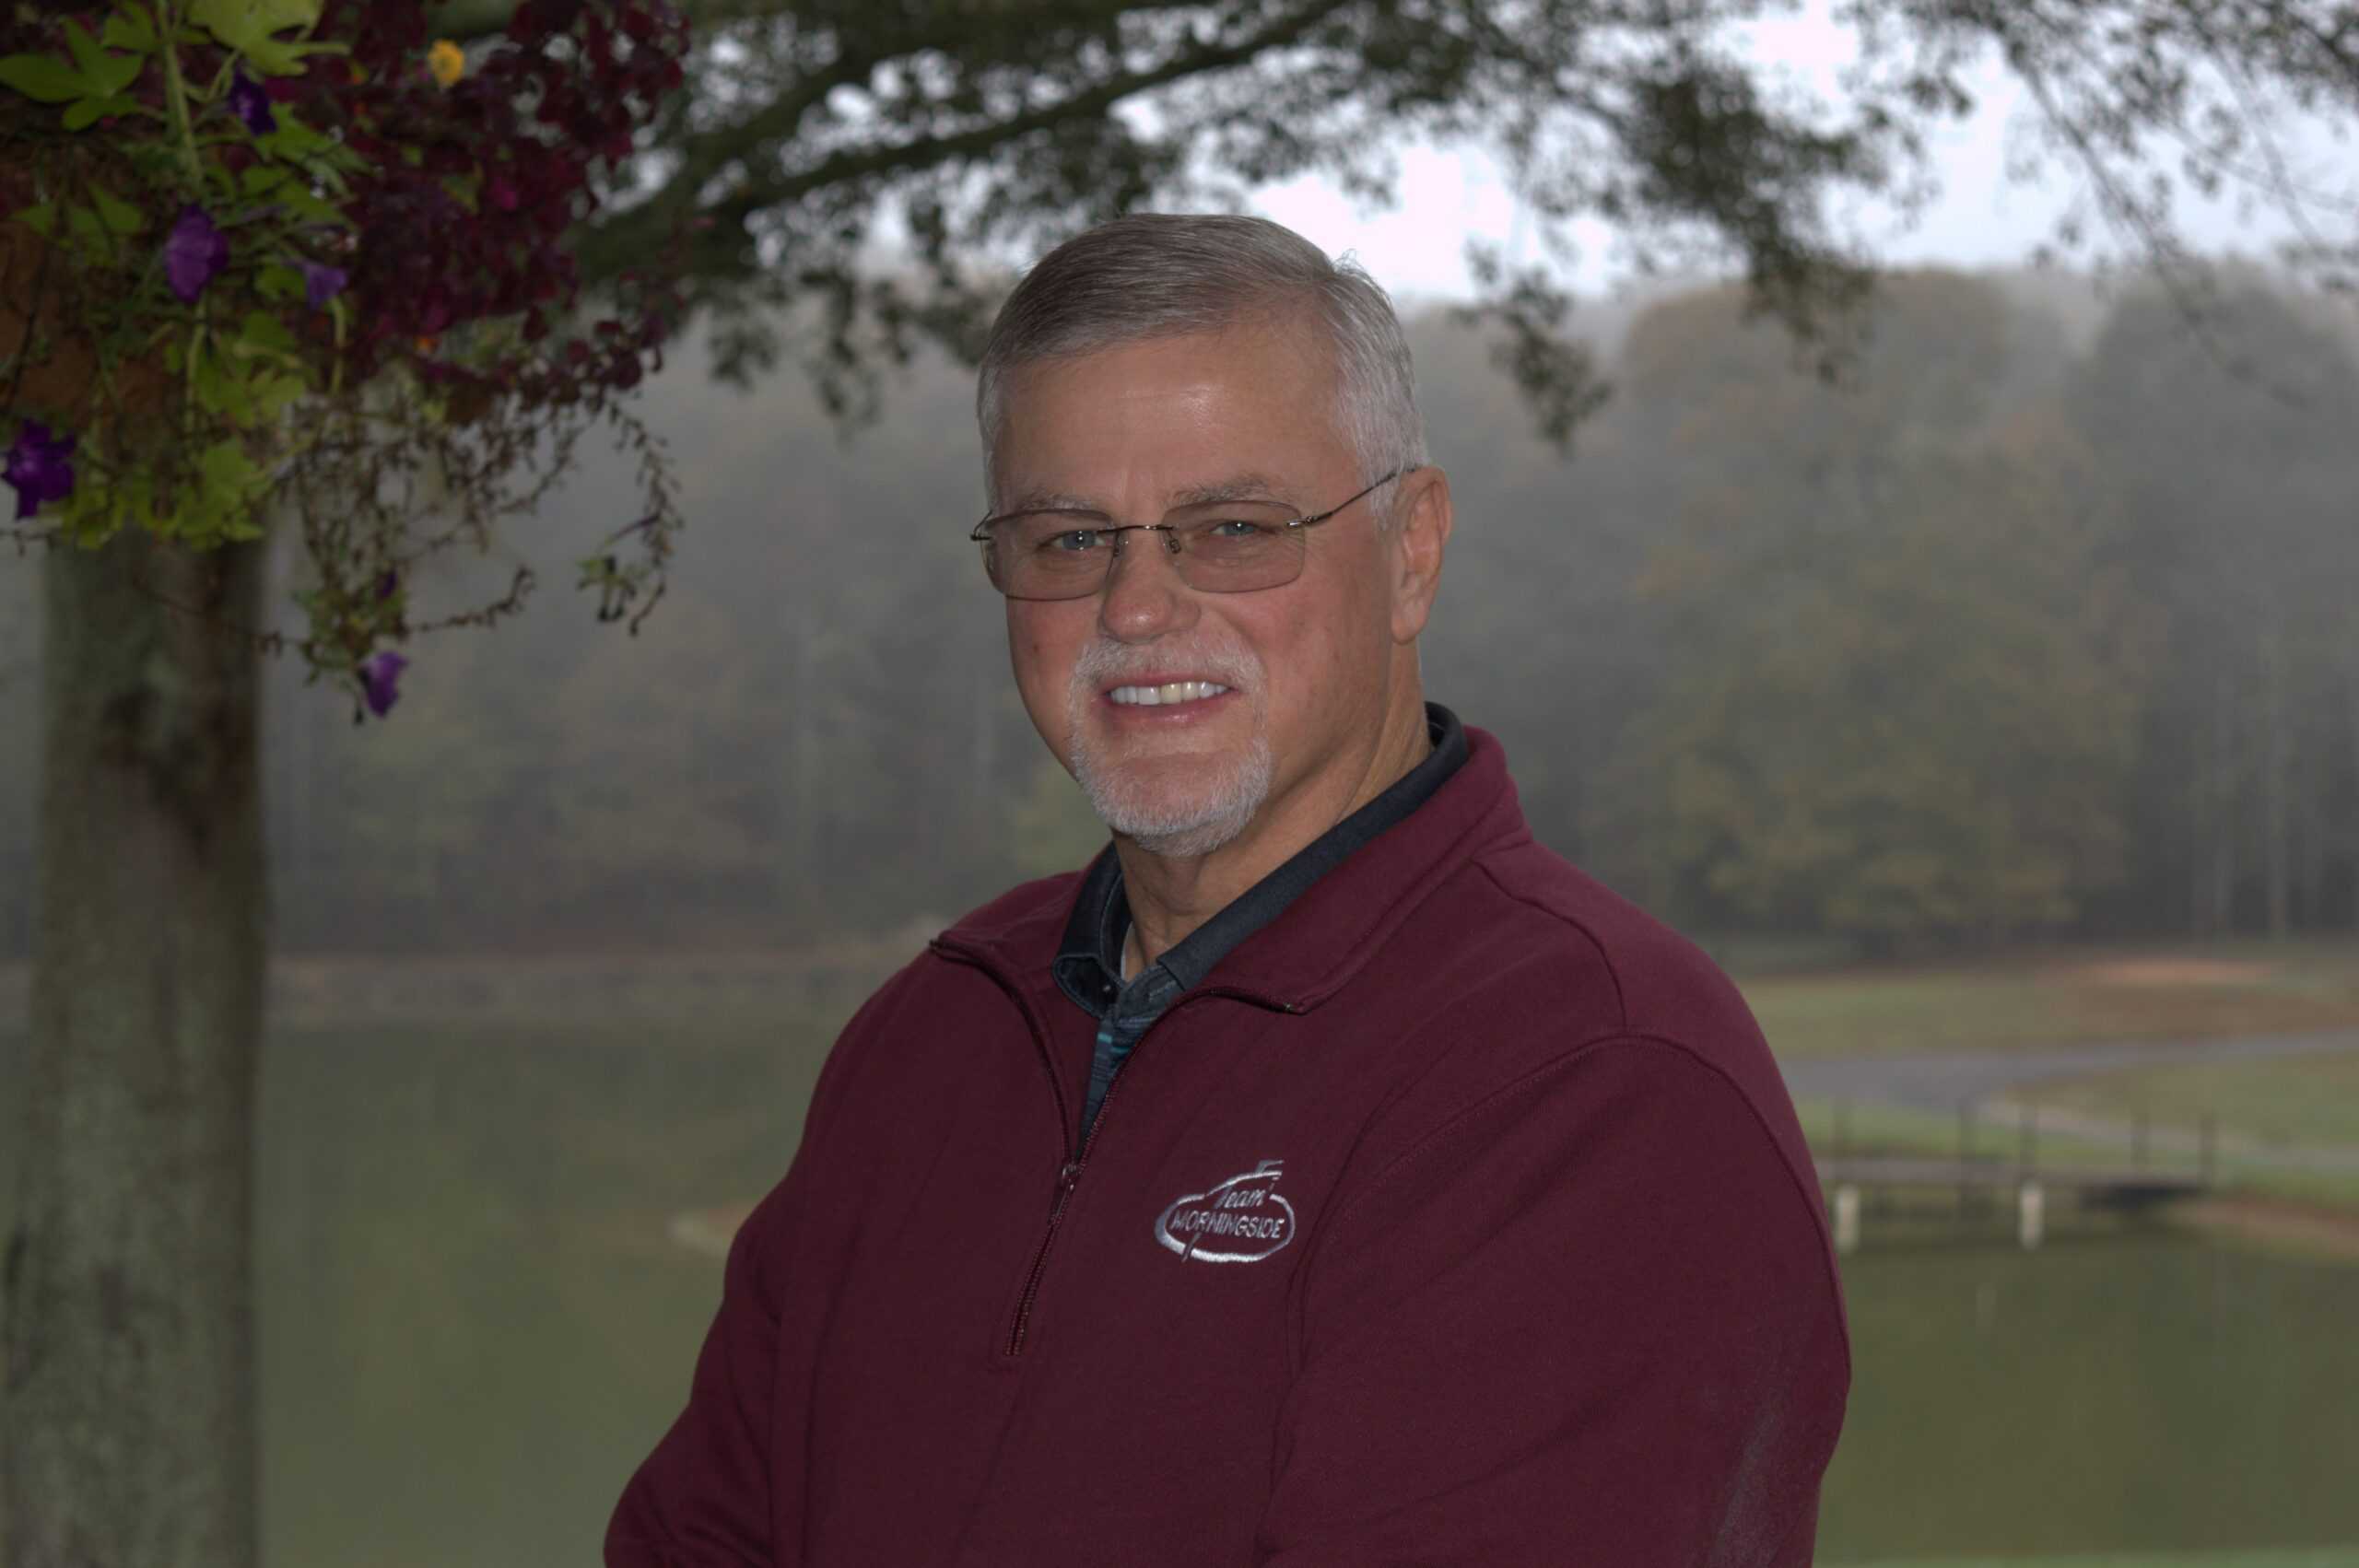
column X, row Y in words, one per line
column 951, row 975
column 1547, row 1001
column 1647, row 978
column 1547, row 958
column 1024, row 923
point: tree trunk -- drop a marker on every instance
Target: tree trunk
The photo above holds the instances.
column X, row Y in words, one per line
column 2277, row 786
column 126, row 1320
column 801, row 839
column 2220, row 915
column 2351, row 800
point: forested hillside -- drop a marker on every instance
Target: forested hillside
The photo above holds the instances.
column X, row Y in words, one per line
column 2042, row 627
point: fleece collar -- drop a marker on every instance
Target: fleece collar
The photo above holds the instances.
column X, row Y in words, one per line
column 1089, row 960
column 1353, row 891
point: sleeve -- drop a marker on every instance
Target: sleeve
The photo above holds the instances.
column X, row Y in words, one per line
column 707, row 1496
column 1593, row 1319
column 702, row 1499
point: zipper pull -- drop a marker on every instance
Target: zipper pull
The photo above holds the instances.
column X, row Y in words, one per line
column 1068, row 1176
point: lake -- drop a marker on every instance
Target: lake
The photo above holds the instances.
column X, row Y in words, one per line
column 476, row 1322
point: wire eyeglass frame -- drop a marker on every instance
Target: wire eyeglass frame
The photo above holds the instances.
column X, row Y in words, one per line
column 1113, row 532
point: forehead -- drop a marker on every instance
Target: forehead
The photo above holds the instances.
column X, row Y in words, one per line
column 1228, row 489
column 1171, row 420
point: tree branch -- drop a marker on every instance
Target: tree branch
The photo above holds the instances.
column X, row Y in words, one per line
column 635, row 233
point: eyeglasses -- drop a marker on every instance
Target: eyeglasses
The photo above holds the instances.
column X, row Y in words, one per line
column 1218, row 547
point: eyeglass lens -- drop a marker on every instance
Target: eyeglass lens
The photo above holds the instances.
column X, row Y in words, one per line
column 1233, row 548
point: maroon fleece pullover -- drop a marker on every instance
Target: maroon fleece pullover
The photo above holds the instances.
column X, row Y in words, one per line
column 1458, row 1217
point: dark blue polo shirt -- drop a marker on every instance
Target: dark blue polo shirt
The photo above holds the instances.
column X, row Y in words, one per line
column 1089, row 961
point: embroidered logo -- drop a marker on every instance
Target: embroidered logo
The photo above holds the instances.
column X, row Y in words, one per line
column 1242, row 1220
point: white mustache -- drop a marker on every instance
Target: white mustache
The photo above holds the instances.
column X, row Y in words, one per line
column 1229, row 664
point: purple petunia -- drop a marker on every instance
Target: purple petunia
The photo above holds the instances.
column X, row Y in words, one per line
column 321, row 283
column 378, row 673
column 388, row 585
column 39, row 467
column 250, row 103
column 193, row 252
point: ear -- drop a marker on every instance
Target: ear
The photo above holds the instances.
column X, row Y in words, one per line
column 1419, row 541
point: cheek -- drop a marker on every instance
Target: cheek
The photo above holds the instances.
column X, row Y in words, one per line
column 1344, row 649
column 1043, row 657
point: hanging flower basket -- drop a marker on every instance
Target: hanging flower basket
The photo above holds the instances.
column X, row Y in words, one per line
column 256, row 252
column 59, row 377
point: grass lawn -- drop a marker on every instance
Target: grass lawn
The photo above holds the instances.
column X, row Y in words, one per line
column 1895, row 1129
column 1859, row 1128
column 2284, row 1100
column 2055, row 997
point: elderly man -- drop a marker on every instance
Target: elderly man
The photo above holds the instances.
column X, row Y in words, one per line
column 1329, row 1175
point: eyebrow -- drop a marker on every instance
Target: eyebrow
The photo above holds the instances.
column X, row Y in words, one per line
column 1235, row 487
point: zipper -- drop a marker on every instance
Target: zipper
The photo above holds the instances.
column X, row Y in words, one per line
column 1068, row 1178
column 1069, row 1174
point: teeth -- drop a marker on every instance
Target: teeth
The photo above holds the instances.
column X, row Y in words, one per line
column 1171, row 691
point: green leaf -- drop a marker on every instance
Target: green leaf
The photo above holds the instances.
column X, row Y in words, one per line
column 263, row 331
column 87, row 58
column 118, row 216
column 40, row 218
column 301, row 202
column 247, row 26
column 234, row 21
column 130, row 28
column 262, row 179
column 272, row 58
column 93, row 514
column 275, row 394
column 279, row 283
column 292, row 139
column 41, row 78
column 83, row 113
column 83, row 224
column 218, row 390
column 234, row 484
column 114, row 72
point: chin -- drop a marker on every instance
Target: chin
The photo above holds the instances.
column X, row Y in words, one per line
column 1178, row 806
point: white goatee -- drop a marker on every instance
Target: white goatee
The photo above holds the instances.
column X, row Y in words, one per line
column 1186, row 803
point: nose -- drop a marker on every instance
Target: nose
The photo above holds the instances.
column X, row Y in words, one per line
column 1144, row 597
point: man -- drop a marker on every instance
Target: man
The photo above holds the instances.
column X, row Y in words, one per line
column 1329, row 1175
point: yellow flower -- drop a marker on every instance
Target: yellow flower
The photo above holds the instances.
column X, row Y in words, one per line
column 447, row 61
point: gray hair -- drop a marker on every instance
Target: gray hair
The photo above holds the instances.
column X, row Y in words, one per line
column 1168, row 275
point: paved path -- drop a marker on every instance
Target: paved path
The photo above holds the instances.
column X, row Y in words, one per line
column 1942, row 1082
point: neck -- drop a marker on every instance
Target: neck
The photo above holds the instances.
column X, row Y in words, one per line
column 1169, row 896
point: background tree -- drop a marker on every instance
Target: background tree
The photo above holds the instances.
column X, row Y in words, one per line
column 2231, row 438
column 960, row 133
column 1895, row 681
